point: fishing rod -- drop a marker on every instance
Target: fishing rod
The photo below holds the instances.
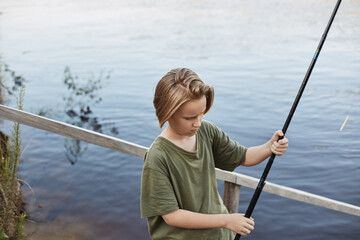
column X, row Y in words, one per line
column 261, row 183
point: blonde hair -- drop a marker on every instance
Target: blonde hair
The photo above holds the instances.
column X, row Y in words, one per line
column 177, row 87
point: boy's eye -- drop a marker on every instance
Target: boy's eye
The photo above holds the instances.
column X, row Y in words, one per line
column 189, row 118
column 194, row 117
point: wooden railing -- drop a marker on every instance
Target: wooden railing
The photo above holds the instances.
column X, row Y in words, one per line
column 232, row 180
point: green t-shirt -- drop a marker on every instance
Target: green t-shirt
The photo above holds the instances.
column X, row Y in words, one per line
column 174, row 178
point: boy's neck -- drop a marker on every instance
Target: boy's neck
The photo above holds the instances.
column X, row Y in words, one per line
column 188, row 143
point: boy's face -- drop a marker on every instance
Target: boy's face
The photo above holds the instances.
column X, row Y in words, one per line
column 186, row 121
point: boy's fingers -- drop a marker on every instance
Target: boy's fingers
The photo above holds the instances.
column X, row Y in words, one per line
column 281, row 143
column 280, row 147
column 245, row 232
column 278, row 150
column 250, row 227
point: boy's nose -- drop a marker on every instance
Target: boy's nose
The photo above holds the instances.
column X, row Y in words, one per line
column 197, row 123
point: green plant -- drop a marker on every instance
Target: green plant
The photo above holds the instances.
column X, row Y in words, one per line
column 11, row 216
column 16, row 141
column 19, row 226
column 3, row 235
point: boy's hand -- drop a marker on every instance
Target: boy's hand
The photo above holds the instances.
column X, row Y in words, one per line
column 279, row 147
column 238, row 223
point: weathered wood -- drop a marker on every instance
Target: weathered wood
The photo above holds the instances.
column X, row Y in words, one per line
column 71, row 131
column 288, row 192
column 138, row 150
column 231, row 196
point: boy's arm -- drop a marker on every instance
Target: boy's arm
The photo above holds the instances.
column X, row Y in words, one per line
column 186, row 219
column 257, row 154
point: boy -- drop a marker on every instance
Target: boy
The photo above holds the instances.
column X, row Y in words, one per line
column 179, row 194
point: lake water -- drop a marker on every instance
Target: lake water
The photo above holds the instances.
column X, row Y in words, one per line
column 105, row 57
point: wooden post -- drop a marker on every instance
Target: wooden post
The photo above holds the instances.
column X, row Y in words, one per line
column 231, row 196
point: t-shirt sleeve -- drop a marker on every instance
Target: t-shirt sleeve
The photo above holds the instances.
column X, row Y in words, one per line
column 228, row 154
column 157, row 193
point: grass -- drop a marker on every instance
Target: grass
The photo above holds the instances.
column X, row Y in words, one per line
column 12, row 215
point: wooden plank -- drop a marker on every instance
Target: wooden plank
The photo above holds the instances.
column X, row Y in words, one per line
column 71, row 131
column 313, row 199
column 288, row 192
